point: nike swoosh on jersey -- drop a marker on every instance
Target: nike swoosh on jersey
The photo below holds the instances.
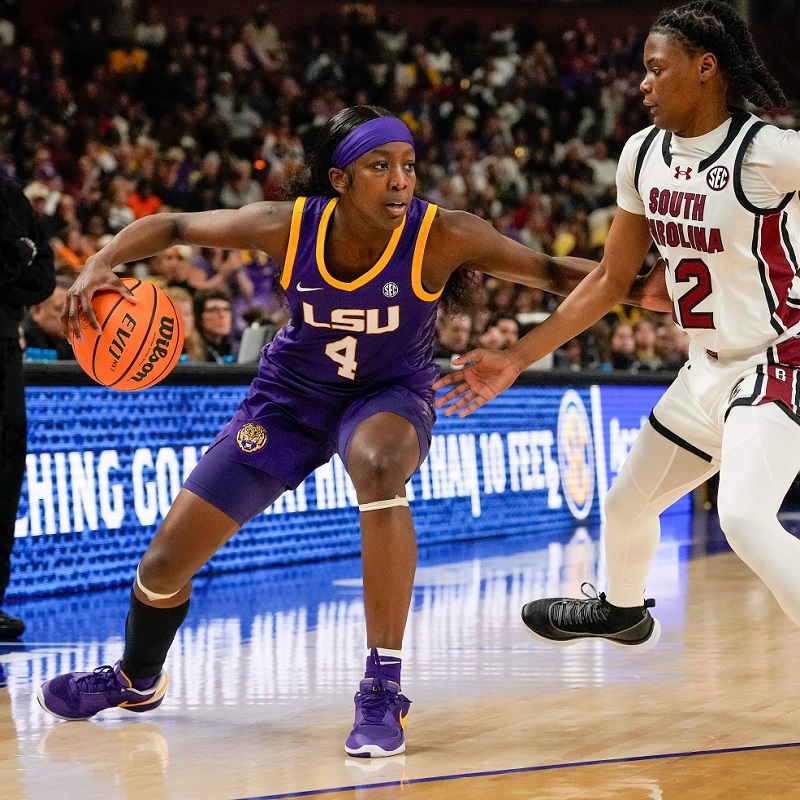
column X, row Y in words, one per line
column 307, row 288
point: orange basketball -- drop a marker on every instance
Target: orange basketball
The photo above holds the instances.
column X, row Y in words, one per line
column 140, row 342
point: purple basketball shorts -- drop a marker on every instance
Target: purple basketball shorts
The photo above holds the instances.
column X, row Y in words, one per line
column 255, row 459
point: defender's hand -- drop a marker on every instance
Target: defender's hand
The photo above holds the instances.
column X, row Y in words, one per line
column 488, row 372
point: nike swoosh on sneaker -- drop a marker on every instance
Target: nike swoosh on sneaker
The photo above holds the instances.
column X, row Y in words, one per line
column 307, row 288
column 402, row 718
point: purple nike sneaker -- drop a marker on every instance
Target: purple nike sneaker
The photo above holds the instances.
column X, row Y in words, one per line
column 80, row 695
column 381, row 713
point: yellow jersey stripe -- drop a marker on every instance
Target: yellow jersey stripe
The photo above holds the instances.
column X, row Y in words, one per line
column 294, row 238
column 419, row 253
column 370, row 273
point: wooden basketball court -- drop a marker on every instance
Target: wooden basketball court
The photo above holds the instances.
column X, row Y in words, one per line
column 712, row 712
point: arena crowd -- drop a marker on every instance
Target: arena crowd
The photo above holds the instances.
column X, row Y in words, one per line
column 132, row 114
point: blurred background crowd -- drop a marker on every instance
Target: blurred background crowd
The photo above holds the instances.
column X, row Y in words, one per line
column 131, row 114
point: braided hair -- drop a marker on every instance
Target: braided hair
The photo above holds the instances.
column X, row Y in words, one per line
column 714, row 26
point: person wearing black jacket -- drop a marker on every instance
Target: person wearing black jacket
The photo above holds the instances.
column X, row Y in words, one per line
column 42, row 328
column 27, row 276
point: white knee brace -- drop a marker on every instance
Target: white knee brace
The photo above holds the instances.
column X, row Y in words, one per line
column 379, row 504
column 152, row 595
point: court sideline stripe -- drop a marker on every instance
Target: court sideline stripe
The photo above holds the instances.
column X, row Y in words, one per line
column 522, row 770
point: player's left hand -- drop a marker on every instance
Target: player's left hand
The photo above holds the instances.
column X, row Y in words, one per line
column 487, row 373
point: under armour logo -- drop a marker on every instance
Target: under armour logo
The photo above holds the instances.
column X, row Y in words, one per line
column 685, row 173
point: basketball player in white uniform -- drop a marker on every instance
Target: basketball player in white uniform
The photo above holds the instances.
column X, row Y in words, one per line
column 715, row 189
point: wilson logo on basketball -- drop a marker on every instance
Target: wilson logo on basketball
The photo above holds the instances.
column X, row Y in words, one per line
column 251, row 437
column 160, row 349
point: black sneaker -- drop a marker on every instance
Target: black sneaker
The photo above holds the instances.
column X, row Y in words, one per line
column 563, row 621
column 10, row 627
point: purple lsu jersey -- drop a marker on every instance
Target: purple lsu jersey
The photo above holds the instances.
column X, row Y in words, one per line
column 348, row 336
column 349, row 350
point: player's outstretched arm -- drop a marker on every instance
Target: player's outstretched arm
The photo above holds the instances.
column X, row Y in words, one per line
column 258, row 226
column 487, row 373
column 484, row 249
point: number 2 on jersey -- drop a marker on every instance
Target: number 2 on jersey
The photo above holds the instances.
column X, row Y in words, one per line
column 343, row 352
column 693, row 269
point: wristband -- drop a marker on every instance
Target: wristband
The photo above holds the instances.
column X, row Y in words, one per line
column 32, row 245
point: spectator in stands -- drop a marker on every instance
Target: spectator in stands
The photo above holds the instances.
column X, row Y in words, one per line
column 240, row 188
column 621, row 353
column 173, row 267
column 261, row 270
column 501, row 333
column 570, row 356
column 38, row 194
column 66, row 215
column 119, row 212
column 41, row 326
column 142, row 201
column 213, row 312
column 171, row 181
column 126, row 62
column 244, row 123
column 672, row 346
column 282, row 145
column 225, row 269
column 151, row 33
column 603, row 166
column 453, row 333
column 644, row 335
column 263, row 34
column 193, row 345
column 72, row 251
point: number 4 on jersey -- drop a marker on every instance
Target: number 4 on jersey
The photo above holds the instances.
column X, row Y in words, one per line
column 343, row 353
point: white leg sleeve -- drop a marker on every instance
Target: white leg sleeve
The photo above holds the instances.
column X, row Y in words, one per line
column 760, row 459
column 656, row 473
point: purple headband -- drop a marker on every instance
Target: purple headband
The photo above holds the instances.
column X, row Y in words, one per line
column 368, row 136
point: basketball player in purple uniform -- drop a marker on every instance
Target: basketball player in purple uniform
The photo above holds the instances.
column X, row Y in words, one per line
column 716, row 189
column 364, row 265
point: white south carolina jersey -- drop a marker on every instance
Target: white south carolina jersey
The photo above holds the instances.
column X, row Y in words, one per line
column 723, row 212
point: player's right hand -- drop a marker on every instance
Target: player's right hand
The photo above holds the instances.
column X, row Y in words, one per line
column 95, row 276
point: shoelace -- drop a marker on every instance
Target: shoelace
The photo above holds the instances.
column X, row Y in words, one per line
column 98, row 681
column 375, row 703
column 374, row 706
column 581, row 612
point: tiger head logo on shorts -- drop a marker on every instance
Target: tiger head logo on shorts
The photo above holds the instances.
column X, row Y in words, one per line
column 251, row 437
